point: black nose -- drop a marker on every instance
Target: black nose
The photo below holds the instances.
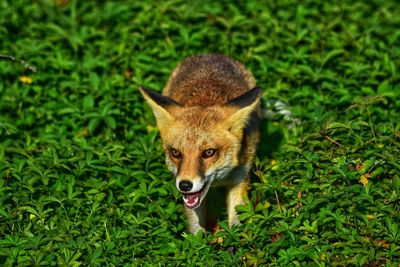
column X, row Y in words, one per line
column 185, row 185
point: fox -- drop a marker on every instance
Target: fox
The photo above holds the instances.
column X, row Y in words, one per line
column 208, row 118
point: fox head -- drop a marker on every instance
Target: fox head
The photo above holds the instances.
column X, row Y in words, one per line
column 202, row 144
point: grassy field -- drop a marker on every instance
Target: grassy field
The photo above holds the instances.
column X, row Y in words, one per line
column 82, row 173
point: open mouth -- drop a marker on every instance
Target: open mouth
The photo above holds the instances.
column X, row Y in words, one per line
column 193, row 200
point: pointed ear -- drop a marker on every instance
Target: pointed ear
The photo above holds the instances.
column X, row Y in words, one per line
column 245, row 105
column 159, row 104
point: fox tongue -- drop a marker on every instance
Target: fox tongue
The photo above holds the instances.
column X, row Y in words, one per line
column 191, row 200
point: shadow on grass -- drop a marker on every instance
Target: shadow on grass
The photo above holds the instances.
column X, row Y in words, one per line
column 271, row 139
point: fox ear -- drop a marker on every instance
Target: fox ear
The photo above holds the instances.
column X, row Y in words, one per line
column 246, row 104
column 159, row 104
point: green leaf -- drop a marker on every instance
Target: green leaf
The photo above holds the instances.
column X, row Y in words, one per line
column 93, row 124
column 334, row 125
column 88, row 102
column 110, row 122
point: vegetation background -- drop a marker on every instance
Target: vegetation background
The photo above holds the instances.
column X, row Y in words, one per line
column 82, row 174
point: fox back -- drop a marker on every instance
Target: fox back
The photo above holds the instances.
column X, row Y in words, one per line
column 208, row 80
column 208, row 119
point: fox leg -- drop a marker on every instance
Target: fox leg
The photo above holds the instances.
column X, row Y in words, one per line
column 236, row 196
column 196, row 219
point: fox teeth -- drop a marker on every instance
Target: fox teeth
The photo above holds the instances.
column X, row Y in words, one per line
column 191, row 201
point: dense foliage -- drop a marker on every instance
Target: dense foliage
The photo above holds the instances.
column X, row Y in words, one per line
column 82, row 173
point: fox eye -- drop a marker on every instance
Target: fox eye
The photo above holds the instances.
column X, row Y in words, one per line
column 175, row 153
column 208, row 153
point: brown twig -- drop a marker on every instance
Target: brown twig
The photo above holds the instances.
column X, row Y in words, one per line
column 279, row 204
column 330, row 139
column 25, row 64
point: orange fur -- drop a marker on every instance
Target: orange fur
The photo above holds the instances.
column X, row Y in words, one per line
column 208, row 107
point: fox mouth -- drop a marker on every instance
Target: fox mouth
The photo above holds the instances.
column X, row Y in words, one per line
column 193, row 200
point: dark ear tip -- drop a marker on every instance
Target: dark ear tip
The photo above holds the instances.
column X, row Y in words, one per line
column 147, row 91
column 257, row 91
column 160, row 99
column 143, row 89
column 247, row 98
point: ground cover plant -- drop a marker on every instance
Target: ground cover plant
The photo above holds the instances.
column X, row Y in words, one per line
column 82, row 173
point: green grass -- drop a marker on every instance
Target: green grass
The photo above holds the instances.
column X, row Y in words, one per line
column 82, row 173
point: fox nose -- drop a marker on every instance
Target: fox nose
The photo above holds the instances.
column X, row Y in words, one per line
column 185, row 185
